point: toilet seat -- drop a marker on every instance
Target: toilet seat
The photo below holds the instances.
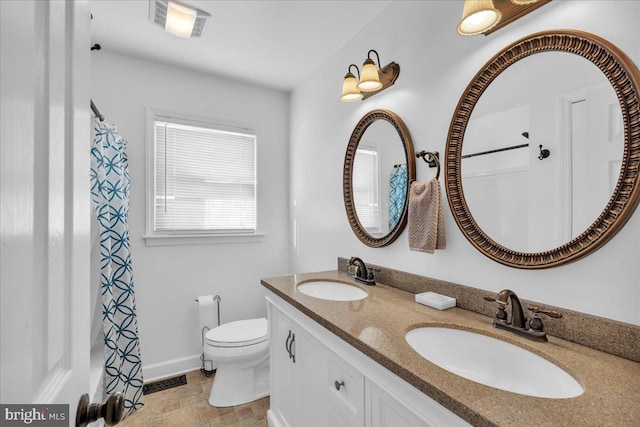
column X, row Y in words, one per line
column 241, row 333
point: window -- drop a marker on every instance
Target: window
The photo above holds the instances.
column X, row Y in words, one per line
column 203, row 179
column 365, row 188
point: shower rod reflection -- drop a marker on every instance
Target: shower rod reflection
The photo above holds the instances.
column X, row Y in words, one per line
column 497, row 150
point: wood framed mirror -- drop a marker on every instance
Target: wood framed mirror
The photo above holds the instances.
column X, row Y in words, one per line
column 620, row 77
column 379, row 166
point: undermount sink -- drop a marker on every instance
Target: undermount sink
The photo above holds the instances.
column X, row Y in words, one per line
column 493, row 362
column 332, row 290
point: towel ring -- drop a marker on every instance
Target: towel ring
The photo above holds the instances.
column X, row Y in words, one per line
column 433, row 161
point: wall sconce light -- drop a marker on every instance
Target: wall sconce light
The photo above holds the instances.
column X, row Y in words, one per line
column 177, row 18
column 478, row 16
column 350, row 90
column 372, row 80
column 521, row 2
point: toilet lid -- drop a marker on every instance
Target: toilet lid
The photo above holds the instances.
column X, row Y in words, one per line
column 238, row 334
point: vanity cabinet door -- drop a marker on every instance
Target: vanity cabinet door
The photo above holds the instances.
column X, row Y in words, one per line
column 309, row 355
column 296, row 366
column 282, row 396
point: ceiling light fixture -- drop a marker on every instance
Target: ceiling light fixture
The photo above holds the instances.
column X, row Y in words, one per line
column 478, row 16
column 372, row 80
column 178, row 18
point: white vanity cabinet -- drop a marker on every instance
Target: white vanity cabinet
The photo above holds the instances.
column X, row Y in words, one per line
column 331, row 384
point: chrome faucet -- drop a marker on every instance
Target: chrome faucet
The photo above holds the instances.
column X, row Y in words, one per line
column 518, row 323
column 362, row 274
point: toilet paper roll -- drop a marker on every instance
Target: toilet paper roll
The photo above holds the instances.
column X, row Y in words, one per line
column 206, row 312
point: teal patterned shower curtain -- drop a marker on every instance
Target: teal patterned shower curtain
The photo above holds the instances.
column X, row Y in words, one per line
column 397, row 194
column 110, row 197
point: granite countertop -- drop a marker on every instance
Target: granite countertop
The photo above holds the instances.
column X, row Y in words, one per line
column 611, row 384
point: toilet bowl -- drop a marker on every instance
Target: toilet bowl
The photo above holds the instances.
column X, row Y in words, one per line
column 241, row 351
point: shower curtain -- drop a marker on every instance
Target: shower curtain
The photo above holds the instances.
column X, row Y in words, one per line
column 110, row 197
column 397, row 194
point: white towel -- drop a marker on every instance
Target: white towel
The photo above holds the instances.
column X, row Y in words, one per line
column 426, row 217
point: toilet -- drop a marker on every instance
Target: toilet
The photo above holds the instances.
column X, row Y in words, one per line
column 241, row 351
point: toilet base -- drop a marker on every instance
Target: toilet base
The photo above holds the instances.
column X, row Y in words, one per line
column 234, row 386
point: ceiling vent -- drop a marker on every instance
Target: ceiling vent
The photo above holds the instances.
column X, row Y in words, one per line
column 158, row 10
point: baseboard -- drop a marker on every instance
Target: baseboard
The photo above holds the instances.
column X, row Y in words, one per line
column 272, row 420
column 170, row 368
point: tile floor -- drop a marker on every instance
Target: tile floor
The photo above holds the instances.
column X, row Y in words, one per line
column 187, row 406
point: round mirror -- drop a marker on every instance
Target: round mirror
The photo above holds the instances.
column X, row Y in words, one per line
column 566, row 104
column 540, row 154
column 379, row 166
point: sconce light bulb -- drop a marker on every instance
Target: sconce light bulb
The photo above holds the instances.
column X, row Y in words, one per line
column 478, row 16
column 369, row 79
column 523, row 2
column 350, row 91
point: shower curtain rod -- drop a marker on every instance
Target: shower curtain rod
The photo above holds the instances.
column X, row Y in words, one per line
column 96, row 46
column 96, row 112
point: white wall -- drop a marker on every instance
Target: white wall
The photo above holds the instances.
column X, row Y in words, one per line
column 168, row 279
column 436, row 65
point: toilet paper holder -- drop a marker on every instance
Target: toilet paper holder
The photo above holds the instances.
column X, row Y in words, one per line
column 217, row 299
column 205, row 329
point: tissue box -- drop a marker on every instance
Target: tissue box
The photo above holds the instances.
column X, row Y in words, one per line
column 434, row 300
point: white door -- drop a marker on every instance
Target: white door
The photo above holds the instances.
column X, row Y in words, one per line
column 597, row 147
column 44, row 201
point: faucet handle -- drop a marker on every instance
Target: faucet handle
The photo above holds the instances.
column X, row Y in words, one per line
column 535, row 309
column 494, row 299
column 501, row 313
column 370, row 271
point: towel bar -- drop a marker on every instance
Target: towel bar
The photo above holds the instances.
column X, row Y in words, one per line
column 434, row 159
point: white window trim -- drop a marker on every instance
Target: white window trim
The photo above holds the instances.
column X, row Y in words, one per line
column 156, row 239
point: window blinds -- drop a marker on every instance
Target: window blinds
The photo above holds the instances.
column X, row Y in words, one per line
column 365, row 188
column 205, row 180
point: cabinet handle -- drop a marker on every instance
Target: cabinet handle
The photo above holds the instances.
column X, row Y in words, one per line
column 289, row 343
column 339, row 384
column 286, row 344
column 292, row 352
